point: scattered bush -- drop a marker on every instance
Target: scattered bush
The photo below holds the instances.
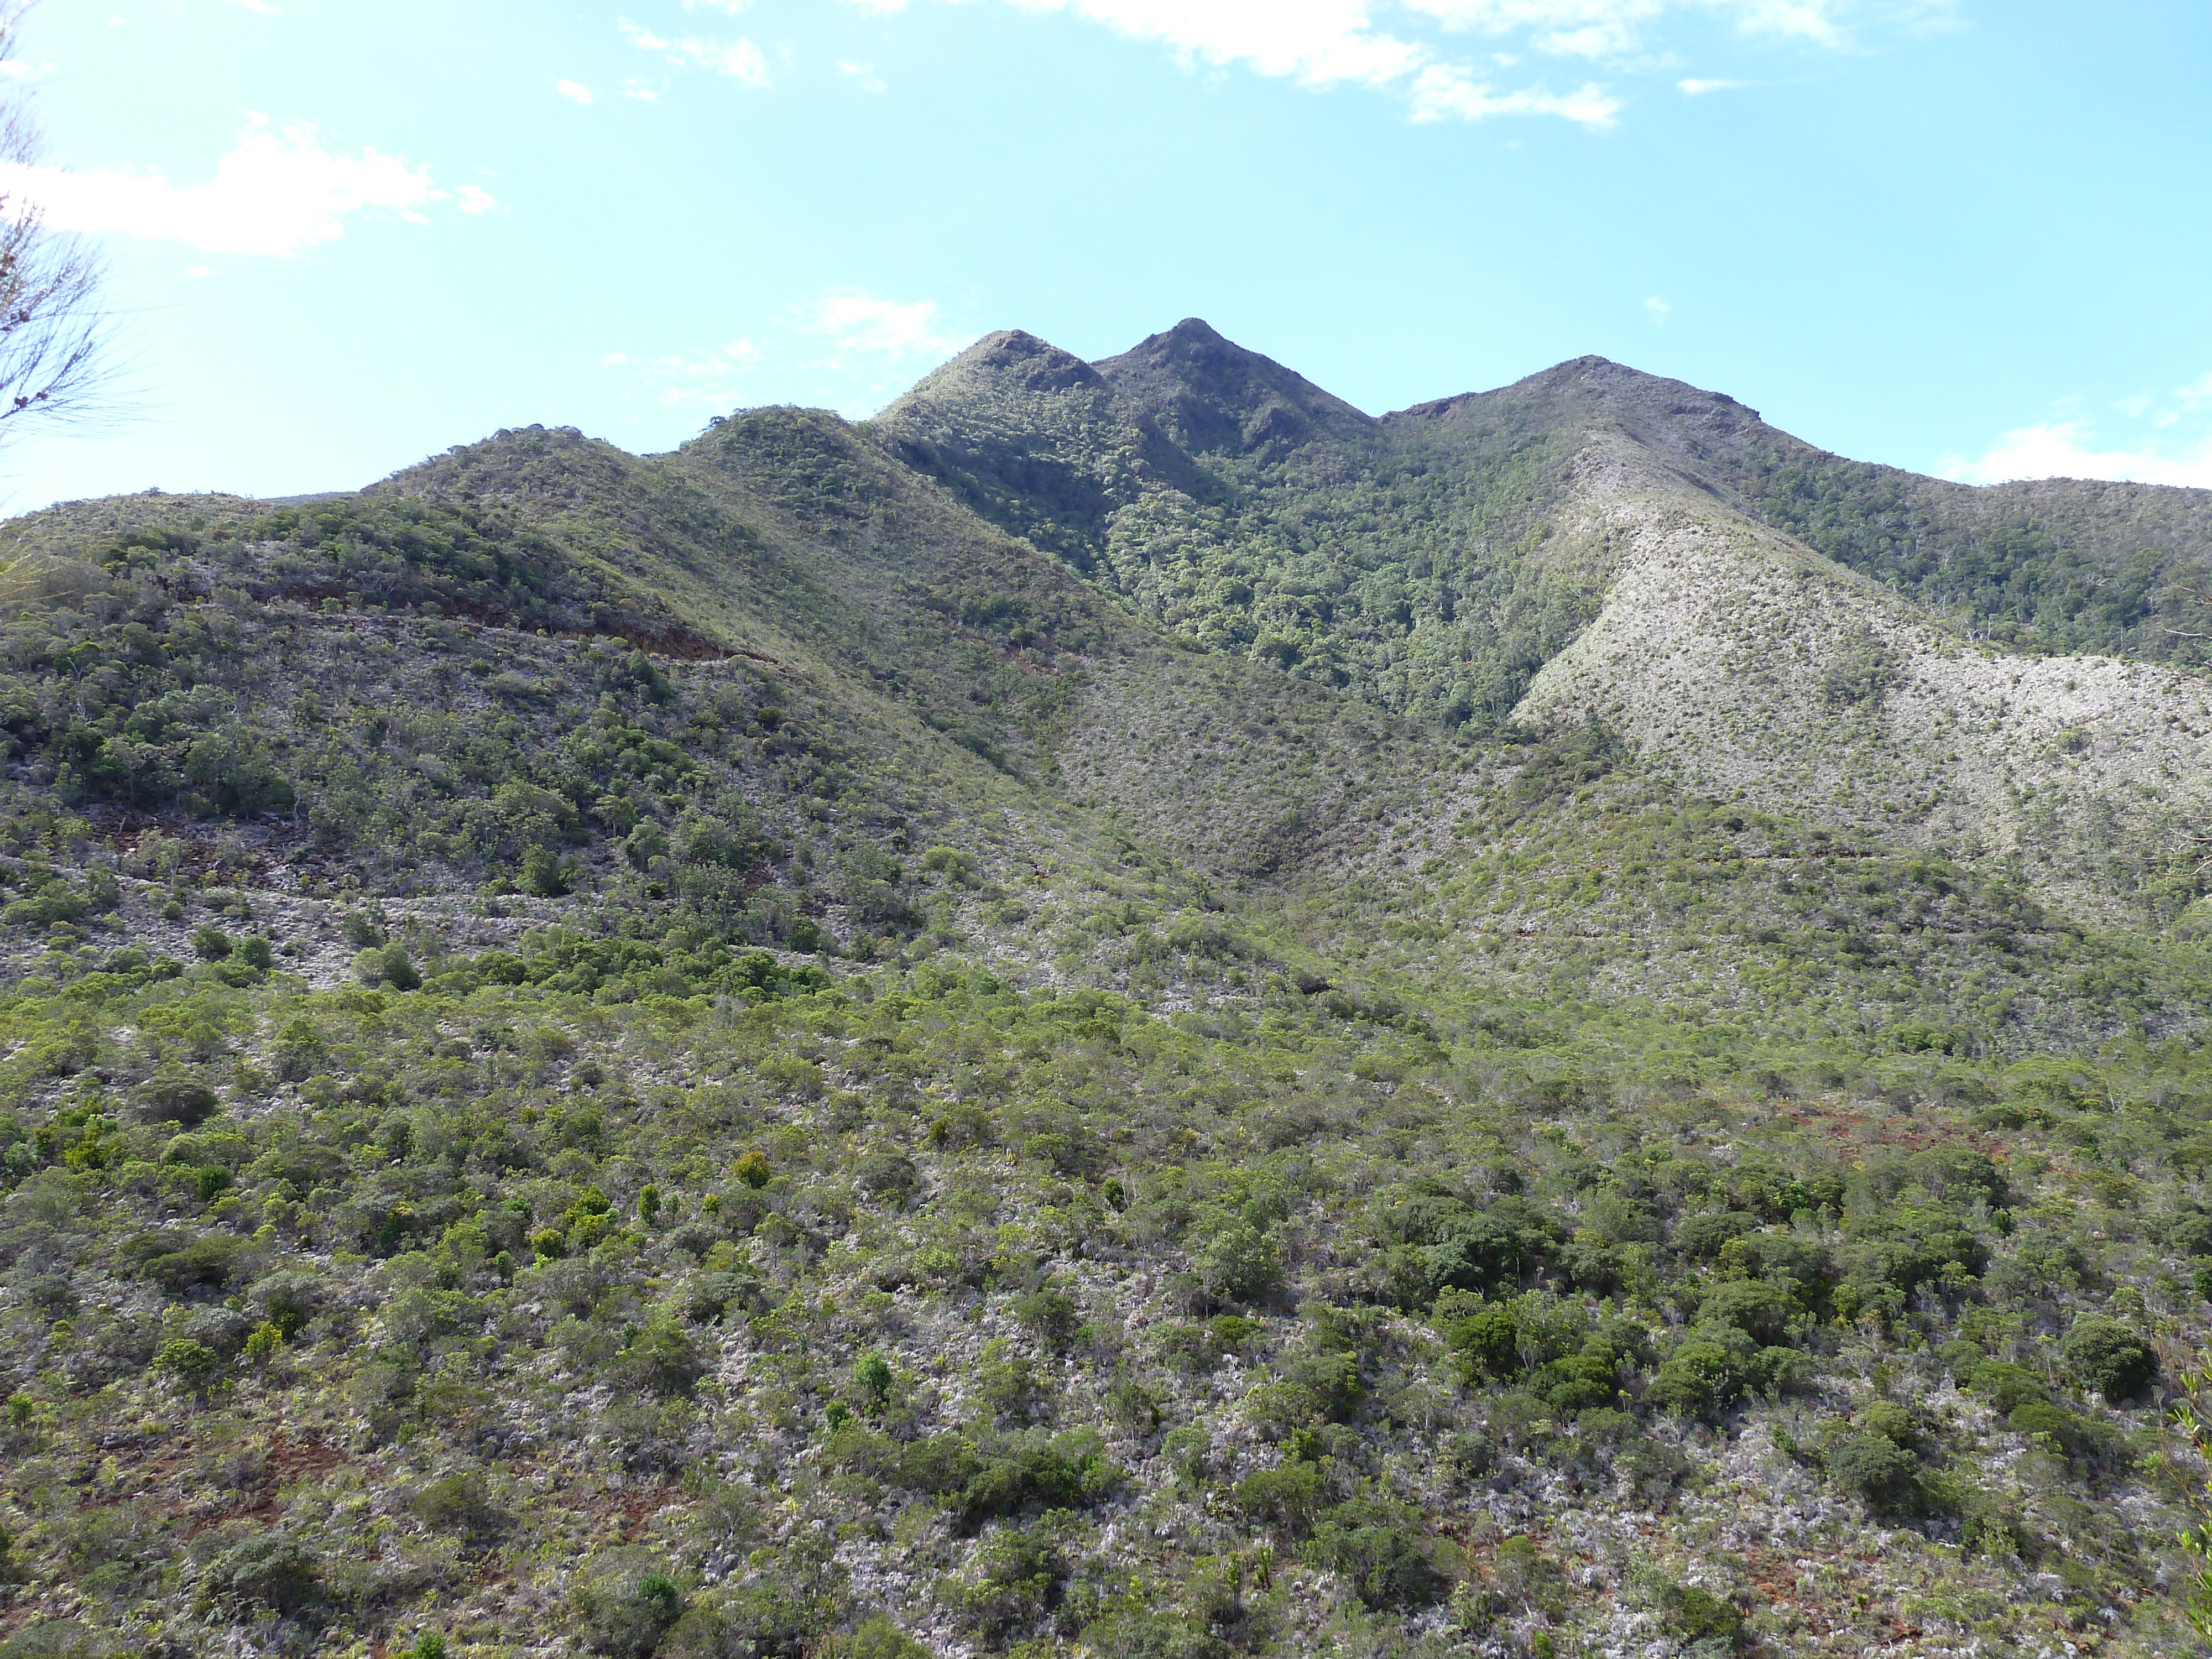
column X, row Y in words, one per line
column 2107, row 1356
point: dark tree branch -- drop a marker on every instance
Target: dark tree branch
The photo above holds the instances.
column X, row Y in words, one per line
column 54, row 360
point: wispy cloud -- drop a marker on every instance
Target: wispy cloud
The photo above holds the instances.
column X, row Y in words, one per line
column 712, row 379
column 1330, row 42
column 278, row 192
column 1446, row 92
column 1622, row 28
column 574, row 91
column 1658, row 309
column 1697, row 88
column 740, row 60
column 868, row 325
column 863, row 75
column 849, row 347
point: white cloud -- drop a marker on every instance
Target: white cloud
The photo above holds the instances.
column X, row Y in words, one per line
column 278, row 192
column 697, row 379
column 1319, row 42
column 1325, row 43
column 642, row 89
column 2068, row 449
column 1577, row 28
column 475, row 198
column 871, row 325
column 576, row 91
column 741, row 60
column 715, row 360
column 1658, row 309
column 728, row 7
column 1616, row 28
column 1696, row 88
column 198, row 272
column 2197, row 392
column 863, row 75
column 1444, row 91
column 259, row 8
column 848, row 348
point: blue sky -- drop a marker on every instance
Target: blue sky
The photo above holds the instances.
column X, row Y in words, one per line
column 1959, row 237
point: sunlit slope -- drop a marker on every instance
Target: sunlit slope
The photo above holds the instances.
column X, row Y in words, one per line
column 1749, row 668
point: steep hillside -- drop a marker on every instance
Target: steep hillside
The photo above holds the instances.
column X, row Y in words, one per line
column 1752, row 670
column 1124, row 1014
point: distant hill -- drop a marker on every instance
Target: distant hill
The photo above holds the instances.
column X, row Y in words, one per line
column 1124, row 1013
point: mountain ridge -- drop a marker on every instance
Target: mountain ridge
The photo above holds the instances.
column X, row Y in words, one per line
column 1123, row 1014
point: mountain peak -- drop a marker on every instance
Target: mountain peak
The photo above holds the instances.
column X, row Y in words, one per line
column 1007, row 359
column 1210, row 394
column 1595, row 393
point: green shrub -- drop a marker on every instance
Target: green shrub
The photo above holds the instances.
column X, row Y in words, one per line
column 1239, row 1264
column 662, row 1358
column 1878, row 1470
column 2110, row 1357
column 879, row 1638
column 1288, row 1497
column 888, row 1175
column 277, row 1569
column 1188, row 1450
column 872, row 1379
column 953, row 864
column 193, row 1364
column 2006, row 1386
column 1015, row 1580
column 544, row 872
column 1704, row 1235
column 180, row 1261
column 1700, row 1378
column 1959, row 1357
column 454, row 1503
column 1151, row 1635
column 1579, row 1382
column 1050, row 1312
column 1374, row 1548
column 176, row 1096
column 625, row 1603
column 1753, row 1306
column 1695, row 1615
column 1037, row 1470
column 2041, row 1420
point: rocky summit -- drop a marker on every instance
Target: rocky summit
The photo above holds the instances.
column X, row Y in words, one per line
column 1123, row 1013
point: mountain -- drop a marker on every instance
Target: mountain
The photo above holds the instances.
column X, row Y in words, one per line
column 1123, row 1011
